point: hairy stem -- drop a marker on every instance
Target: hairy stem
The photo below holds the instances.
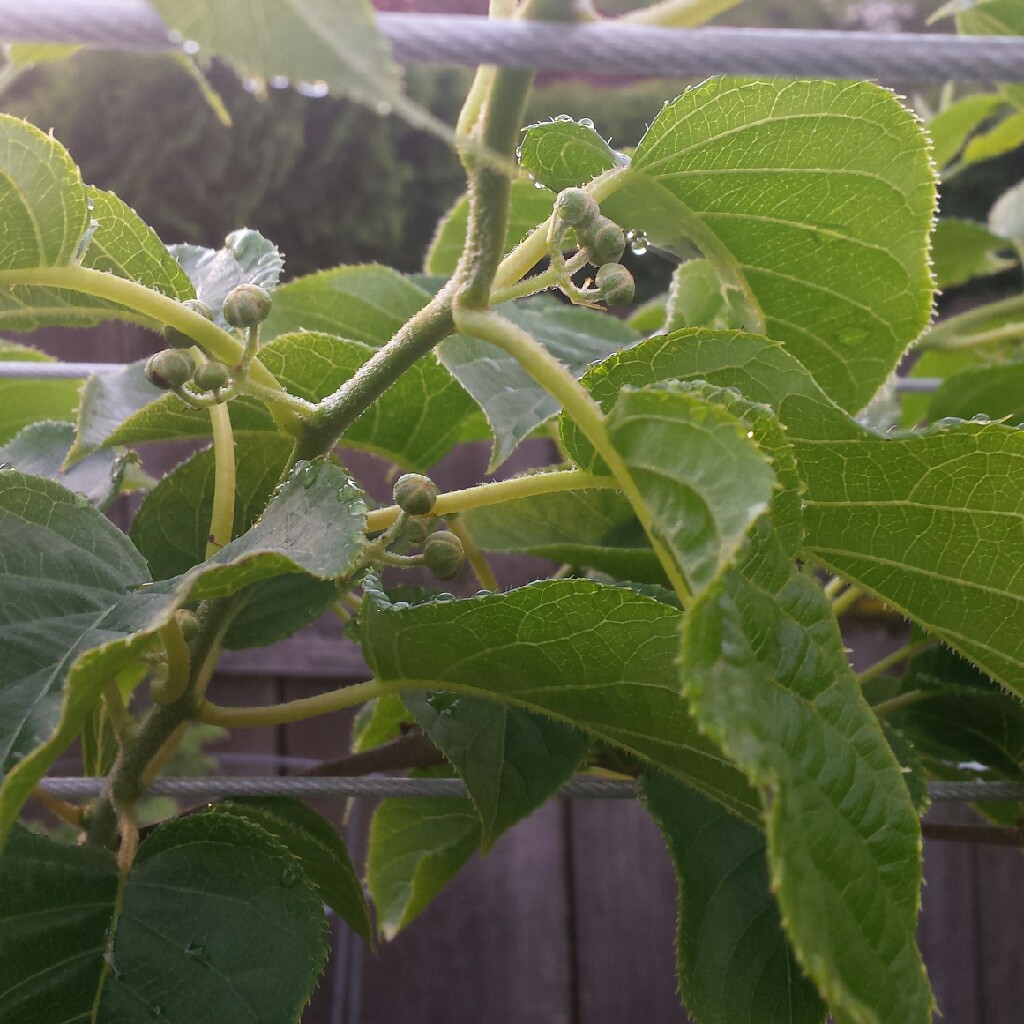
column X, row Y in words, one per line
column 900, row 701
column 904, row 653
column 556, row 379
column 178, row 664
column 476, row 558
column 222, row 521
column 501, row 491
column 846, row 600
column 293, row 710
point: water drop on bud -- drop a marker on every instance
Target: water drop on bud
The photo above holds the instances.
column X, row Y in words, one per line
column 247, row 305
column 415, row 494
column 169, row 369
column 443, row 554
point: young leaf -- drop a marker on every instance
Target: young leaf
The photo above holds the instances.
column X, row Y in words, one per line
column 246, row 258
column 41, row 449
column 512, row 401
column 735, row 964
column 764, row 668
column 311, row 41
column 812, row 199
column 950, row 128
column 56, row 902
column 172, row 526
column 594, row 528
column 273, row 609
column 963, row 250
column 218, row 919
column 1006, row 136
column 379, row 721
column 696, row 299
column 511, row 760
column 26, row 401
column 1006, row 218
column 416, row 847
column 318, row 848
column 529, row 205
column 598, row 658
column 698, row 471
column 563, row 153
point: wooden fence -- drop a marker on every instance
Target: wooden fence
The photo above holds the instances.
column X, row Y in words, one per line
column 571, row 918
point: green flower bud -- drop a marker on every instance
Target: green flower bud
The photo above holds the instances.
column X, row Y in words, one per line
column 416, row 530
column 212, row 376
column 443, row 554
column 187, row 622
column 576, row 208
column 415, row 494
column 169, row 369
column 606, row 243
column 615, row 283
column 178, row 339
column 247, row 305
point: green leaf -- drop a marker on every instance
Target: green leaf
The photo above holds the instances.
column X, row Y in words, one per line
column 309, row 41
column 765, row 671
column 25, row 55
column 950, row 128
column 814, row 200
column 26, row 401
column 246, row 258
column 996, row 391
column 528, row 207
column 416, row 422
column 123, row 245
column 928, row 523
column 512, row 401
column 698, row 471
column 592, row 528
column 318, row 848
column 172, row 526
column 511, row 760
column 994, row 18
column 416, row 847
column 367, row 302
column 56, row 902
column 563, row 153
column 963, row 250
column 379, row 721
column 273, row 609
column 598, row 658
column 92, row 611
column 1005, row 137
column 734, row 961
column 42, row 199
column 124, row 408
column 911, row 765
column 218, row 922
column 40, row 450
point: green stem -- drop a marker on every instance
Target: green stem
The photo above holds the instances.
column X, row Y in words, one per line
column 222, row 521
column 178, row 664
column 904, row 653
column 495, row 493
column 995, row 321
column 476, row 558
column 678, row 13
column 846, row 600
column 900, row 701
column 159, row 309
column 556, row 379
column 294, row 710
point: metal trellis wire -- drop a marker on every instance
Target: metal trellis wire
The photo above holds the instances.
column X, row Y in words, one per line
column 582, row 786
column 616, row 49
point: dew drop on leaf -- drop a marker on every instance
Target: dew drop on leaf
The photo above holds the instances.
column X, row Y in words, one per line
column 563, row 118
column 313, row 90
column 585, row 122
column 191, row 47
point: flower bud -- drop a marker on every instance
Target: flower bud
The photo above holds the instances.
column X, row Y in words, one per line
column 615, row 284
column 169, row 369
column 212, row 376
column 443, row 554
column 415, row 494
column 416, row 530
column 247, row 305
column 606, row 243
column 576, row 208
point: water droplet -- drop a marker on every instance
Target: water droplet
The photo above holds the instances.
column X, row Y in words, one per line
column 538, row 184
column 850, row 335
column 563, row 118
column 290, row 877
column 383, row 108
column 585, row 122
column 309, row 474
column 638, row 242
column 750, row 433
column 254, row 85
column 278, row 81
column 191, row 47
column 980, row 418
column 314, row 90
column 156, row 1011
